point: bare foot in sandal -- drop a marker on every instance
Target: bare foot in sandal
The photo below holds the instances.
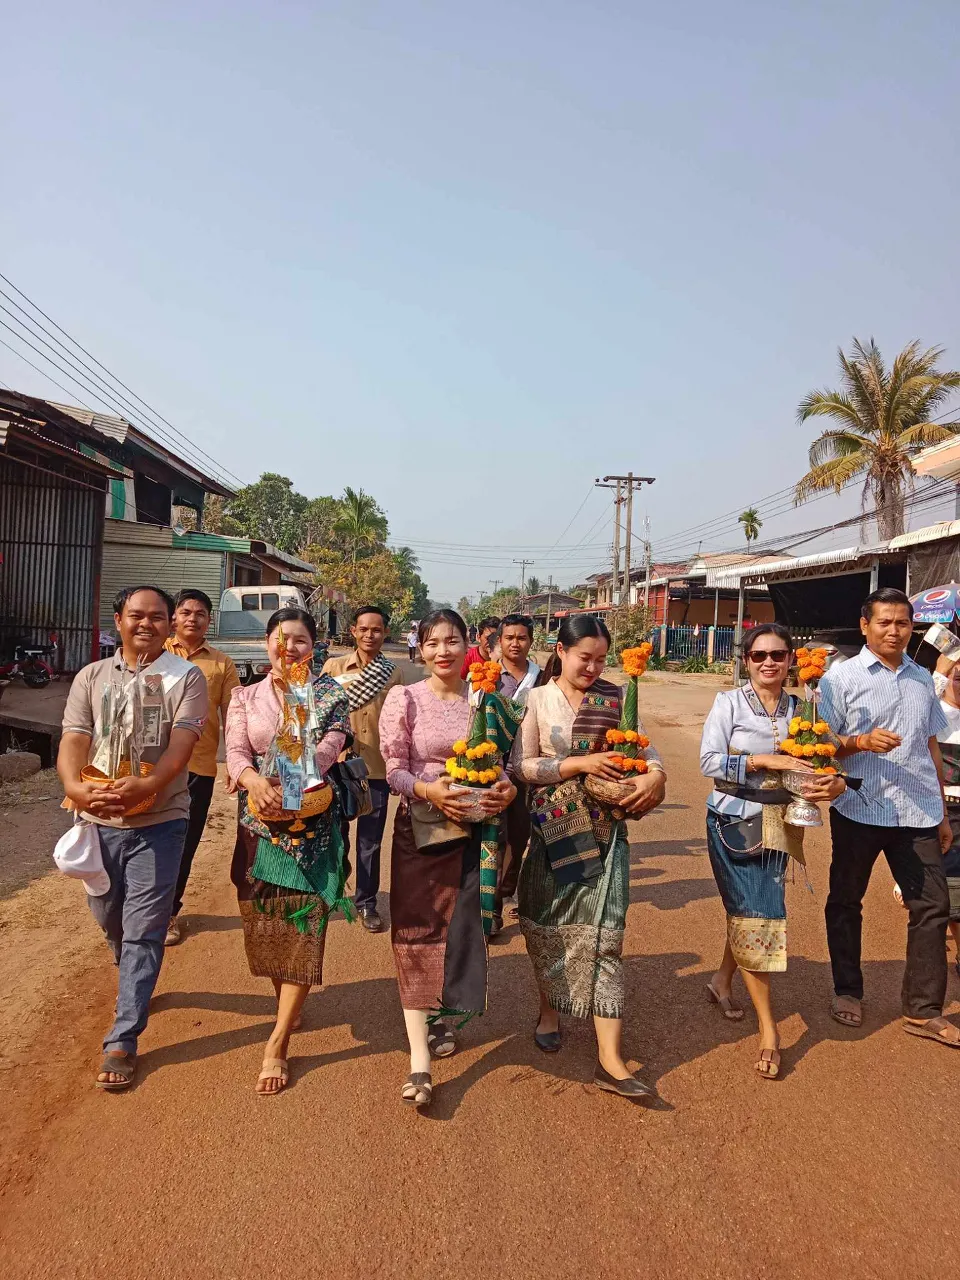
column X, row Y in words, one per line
column 728, row 1006
column 273, row 1076
column 938, row 1029
column 117, row 1070
column 846, row 1010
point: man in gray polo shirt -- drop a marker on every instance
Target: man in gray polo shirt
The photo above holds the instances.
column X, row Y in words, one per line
column 141, row 852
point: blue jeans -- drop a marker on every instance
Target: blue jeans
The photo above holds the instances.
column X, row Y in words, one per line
column 369, row 839
column 143, row 864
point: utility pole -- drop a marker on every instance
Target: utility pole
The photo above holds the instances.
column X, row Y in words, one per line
column 551, row 586
column 495, row 582
column 617, row 504
column 630, row 482
column 648, row 556
column 523, row 576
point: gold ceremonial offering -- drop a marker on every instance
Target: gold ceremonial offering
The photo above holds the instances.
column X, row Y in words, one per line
column 129, row 721
column 291, row 760
column 90, row 773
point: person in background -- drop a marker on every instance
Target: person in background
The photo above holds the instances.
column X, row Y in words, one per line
column 412, row 644
column 367, row 676
column 885, row 711
column 191, row 622
column 287, row 884
column 141, row 851
column 946, row 681
column 471, row 634
column 575, row 882
column 481, row 651
column 749, row 844
column 518, row 676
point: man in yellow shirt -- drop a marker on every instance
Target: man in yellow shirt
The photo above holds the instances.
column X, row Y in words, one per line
column 191, row 622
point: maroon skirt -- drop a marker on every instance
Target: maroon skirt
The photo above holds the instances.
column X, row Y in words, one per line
column 439, row 946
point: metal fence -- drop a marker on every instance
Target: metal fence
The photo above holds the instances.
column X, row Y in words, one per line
column 681, row 643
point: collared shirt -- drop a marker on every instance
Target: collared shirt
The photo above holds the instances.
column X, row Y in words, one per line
column 519, row 690
column 737, row 728
column 365, row 723
column 221, row 676
column 901, row 788
column 183, row 701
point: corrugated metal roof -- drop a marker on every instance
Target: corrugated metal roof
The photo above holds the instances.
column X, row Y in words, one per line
column 931, row 533
column 731, row 577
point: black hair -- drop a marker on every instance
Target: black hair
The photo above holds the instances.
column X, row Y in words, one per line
column 488, row 624
column 573, row 629
column 886, row 595
column 291, row 614
column 434, row 619
column 516, row 620
column 766, row 629
column 192, row 593
column 124, row 594
column 371, row 608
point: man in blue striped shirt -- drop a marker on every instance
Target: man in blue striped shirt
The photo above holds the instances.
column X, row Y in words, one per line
column 884, row 709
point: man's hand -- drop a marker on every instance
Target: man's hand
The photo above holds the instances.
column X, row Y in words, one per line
column 91, row 797
column 133, row 791
column 946, row 836
column 648, row 791
column 499, row 796
column 879, row 741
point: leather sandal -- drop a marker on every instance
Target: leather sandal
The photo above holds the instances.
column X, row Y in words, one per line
column 417, row 1089
column 441, row 1041
column 273, row 1069
column 125, row 1067
column 933, row 1029
column 846, row 1011
column 728, row 1007
column 768, row 1064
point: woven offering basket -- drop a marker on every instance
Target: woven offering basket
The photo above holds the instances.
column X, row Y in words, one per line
column 477, row 813
column 90, row 774
column 611, row 794
column 314, row 802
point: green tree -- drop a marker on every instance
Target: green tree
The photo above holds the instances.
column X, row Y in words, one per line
column 361, row 522
column 884, row 417
column 752, row 524
column 534, row 587
column 320, row 516
column 270, row 510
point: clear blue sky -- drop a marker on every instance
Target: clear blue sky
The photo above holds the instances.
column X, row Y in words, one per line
column 471, row 256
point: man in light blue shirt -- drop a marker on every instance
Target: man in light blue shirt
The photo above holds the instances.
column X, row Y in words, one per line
column 884, row 710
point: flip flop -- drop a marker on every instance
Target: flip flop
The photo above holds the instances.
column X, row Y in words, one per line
column 125, row 1067
column 932, row 1029
column 274, row 1069
column 728, row 1007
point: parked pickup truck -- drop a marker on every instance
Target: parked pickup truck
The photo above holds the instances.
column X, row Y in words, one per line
column 242, row 623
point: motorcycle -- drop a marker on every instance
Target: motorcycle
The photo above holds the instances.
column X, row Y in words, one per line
column 28, row 664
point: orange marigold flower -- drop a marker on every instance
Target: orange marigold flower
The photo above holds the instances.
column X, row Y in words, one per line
column 640, row 766
column 643, row 741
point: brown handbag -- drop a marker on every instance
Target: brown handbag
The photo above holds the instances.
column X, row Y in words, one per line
column 433, row 831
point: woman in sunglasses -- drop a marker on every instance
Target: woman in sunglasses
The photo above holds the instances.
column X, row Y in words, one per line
column 748, row 841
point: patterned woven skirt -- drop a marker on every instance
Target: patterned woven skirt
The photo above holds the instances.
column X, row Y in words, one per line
column 276, row 948
column 951, row 862
column 752, row 887
column 574, row 932
column 439, row 946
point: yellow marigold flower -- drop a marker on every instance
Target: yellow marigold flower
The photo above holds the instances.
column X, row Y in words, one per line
column 787, row 745
column 821, row 726
column 473, row 775
column 630, row 735
column 459, row 747
column 827, row 749
column 795, row 725
column 805, row 725
column 451, row 766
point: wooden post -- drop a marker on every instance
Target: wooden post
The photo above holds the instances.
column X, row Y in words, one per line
column 738, row 638
column 711, row 637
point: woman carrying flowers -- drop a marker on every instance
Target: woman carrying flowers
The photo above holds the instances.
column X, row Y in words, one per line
column 443, row 863
column 745, row 750
column 575, row 883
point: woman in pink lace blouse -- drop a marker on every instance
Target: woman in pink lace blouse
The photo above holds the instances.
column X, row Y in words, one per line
column 288, row 879
column 439, row 946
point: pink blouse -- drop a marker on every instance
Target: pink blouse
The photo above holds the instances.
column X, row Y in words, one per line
column 252, row 719
column 417, row 732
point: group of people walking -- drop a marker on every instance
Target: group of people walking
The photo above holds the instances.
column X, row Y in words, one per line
column 541, row 833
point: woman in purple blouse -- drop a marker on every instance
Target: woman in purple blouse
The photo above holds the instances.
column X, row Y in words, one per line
column 439, row 945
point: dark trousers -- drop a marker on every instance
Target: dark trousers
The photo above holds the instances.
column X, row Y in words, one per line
column 369, row 839
column 914, row 857
column 201, row 793
column 510, row 854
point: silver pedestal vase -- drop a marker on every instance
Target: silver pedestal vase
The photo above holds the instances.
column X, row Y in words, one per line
column 800, row 812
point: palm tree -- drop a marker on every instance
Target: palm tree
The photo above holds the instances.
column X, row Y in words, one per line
column 533, row 586
column 885, row 417
column 361, row 521
column 752, row 524
column 407, row 562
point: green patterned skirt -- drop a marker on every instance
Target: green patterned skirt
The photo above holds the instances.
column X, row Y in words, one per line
column 574, row 932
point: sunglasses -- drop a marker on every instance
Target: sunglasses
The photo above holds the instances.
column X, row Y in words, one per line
column 761, row 655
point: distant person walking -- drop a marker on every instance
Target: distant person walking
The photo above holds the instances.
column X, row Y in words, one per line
column 412, row 644
column 884, row 709
column 575, row 881
column 481, row 651
column 946, row 680
column 748, row 842
column 140, row 851
column 191, row 622
column 518, row 676
column 367, row 676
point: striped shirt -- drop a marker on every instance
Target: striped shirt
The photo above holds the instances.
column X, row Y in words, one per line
column 901, row 788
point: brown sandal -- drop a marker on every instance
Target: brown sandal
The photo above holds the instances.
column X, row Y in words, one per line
column 768, row 1064
column 728, row 1007
column 933, row 1029
column 273, row 1069
column 846, row 1010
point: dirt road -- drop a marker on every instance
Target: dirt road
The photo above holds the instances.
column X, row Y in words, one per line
column 845, row 1166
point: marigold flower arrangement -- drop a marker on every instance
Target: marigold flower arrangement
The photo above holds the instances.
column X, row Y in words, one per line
column 477, row 762
column 635, row 660
column 812, row 664
column 630, row 760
